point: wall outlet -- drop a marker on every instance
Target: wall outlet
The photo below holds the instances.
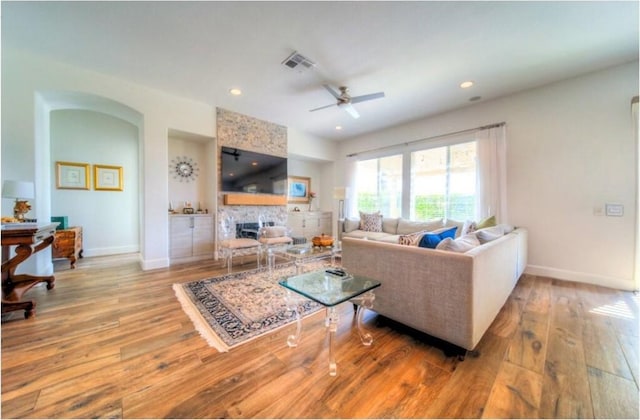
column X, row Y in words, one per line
column 615, row 210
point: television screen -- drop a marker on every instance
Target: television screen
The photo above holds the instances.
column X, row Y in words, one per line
column 251, row 172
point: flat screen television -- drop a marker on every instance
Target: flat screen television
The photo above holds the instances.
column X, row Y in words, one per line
column 252, row 172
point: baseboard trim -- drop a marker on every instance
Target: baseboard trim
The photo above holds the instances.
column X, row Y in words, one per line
column 560, row 274
column 153, row 264
column 101, row 252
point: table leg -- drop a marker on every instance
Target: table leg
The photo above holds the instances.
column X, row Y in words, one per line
column 332, row 317
column 292, row 302
column 271, row 261
column 364, row 302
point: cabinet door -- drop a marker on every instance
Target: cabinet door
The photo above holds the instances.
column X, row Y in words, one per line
column 296, row 223
column 325, row 223
column 202, row 235
column 180, row 237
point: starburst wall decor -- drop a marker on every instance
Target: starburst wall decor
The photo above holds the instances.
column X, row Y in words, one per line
column 184, row 169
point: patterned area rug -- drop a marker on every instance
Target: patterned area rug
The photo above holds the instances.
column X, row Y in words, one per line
column 230, row 310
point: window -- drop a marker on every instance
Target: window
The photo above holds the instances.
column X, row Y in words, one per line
column 379, row 185
column 443, row 182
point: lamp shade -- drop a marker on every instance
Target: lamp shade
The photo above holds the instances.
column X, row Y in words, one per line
column 340, row 193
column 17, row 189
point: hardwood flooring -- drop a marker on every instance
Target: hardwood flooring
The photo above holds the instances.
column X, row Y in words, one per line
column 112, row 341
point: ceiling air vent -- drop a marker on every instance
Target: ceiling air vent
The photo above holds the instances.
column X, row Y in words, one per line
column 298, row 61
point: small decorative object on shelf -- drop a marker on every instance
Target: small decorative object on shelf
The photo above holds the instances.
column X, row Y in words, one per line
column 312, row 195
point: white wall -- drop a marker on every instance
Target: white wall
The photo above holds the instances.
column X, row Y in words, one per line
column 26, row 77
column 109, row 218
column 571, row 149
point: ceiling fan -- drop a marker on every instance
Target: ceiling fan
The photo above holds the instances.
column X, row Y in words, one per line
column 345, row 101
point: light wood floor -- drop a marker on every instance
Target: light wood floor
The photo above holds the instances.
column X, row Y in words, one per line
column 112, row 341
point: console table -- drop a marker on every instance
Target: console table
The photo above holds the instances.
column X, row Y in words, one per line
column 28, row 239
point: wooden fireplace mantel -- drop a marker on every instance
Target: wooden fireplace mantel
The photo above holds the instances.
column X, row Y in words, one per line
column 239, row 199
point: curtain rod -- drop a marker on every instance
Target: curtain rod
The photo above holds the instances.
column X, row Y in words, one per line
column 453, row 133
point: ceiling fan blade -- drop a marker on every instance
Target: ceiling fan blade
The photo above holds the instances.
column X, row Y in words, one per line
column 368, row 97
column 331, row 91
column 350, row 110
column 322, row 107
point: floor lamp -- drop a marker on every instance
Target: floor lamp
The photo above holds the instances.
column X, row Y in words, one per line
column 340, row 194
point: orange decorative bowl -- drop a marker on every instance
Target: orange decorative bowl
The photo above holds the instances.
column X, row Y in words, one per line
column 322, row 240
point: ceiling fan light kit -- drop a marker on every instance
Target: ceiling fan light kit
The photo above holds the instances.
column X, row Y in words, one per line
column 346, row 101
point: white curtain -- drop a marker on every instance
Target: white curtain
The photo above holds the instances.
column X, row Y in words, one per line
column 492, row 173
column 636, row 136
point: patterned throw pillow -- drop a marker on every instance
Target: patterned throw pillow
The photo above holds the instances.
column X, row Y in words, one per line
column 371, row 222
column 412, row 239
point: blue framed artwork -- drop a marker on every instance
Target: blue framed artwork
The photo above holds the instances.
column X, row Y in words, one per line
column 299, row 188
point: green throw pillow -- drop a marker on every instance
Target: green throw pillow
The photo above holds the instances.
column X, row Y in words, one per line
column 488, row 222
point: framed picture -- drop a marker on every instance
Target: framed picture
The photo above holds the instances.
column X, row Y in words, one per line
column 107, row 178
column 299, row 188
column 72, row 176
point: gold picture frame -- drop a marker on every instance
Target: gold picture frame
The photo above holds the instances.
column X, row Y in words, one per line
column 108, row 178
column 72, row 176
column 298, row 189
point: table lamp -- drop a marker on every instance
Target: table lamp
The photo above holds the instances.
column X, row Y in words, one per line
column 21, row 191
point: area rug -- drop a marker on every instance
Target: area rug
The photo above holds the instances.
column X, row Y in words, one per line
column 233, row 309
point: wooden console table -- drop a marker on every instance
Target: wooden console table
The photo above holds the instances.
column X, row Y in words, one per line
column 28, row 240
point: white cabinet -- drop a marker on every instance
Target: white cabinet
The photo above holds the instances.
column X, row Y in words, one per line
column 310, row 224
column 190, row 237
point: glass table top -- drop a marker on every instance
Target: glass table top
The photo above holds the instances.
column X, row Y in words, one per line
column 329, row 289
column 305, row 250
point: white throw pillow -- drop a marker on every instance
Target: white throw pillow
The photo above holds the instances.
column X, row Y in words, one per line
column 462, row 244
column 490, row 234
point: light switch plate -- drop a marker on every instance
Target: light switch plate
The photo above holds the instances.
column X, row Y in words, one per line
column 616, row 210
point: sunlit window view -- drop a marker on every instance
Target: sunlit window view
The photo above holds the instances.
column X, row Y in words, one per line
column 442, row 185
column 443, row 182
column 379, row 185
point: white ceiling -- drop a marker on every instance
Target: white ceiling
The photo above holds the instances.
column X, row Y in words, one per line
column 416, row 52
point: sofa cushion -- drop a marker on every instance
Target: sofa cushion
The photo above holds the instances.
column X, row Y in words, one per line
column 461, row 244
column 371, row 222
column 406, row 227
column 351, row 224
column 390, row 225
column 432, row 239
column 489, row 234
column 374, row 236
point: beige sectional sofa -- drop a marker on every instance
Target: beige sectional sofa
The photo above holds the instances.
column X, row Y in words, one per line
column 449, row 295
column 392, row 228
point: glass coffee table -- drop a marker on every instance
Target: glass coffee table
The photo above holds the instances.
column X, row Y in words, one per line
column 301, row 254
column 330, row 290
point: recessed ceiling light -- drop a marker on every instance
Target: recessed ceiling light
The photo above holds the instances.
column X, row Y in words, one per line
column 466, row 84
column 338, row 127
column 235, row 91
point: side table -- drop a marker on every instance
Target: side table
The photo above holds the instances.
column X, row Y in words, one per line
column 68, row 244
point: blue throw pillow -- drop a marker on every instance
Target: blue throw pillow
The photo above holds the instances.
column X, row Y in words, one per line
column 431, row 240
